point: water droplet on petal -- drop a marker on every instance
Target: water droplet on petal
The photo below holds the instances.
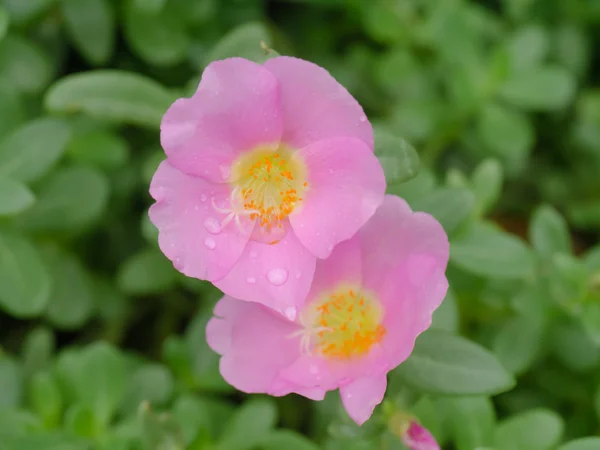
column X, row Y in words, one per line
column 251, row 280
column 178, row 264
column 203, row 197
column 291, row 312
column 210, row 243
column 363, row 118
column 298, row 275
column 225, row 172
column 212, row 225
column 277, row 277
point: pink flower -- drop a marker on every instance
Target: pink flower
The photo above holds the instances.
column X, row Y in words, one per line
column 268, row 168
column 417, row 437
column 368, row 303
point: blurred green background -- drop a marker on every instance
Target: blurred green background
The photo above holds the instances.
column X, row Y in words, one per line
column 487, row 115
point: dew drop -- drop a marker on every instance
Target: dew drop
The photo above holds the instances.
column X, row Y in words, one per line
column 225, row 172
column 178, row 264
column 298, row 275
column 363, row 118
column 251, row 280
column 212, row 225
column 277, row 277
column 203, row 198
column 291, row 312
column 210, row 243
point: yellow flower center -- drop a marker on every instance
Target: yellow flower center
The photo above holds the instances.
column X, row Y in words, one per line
column 269, row 184
column 343, row 324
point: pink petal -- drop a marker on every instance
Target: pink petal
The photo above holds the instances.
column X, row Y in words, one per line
column 345, row 186
column 315, row 106
column 283, row 387
column 235, row 109
column 417, row 437
column 343, row 266
column 361, row 396
column 258, row 347
column 218, row 329
column 184, row 214
column 276, row 275
column 404, row 260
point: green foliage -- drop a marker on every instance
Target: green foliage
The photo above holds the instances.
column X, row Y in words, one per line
column 486, row 116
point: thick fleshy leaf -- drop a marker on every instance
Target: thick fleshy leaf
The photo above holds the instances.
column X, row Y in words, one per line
column 92, row 27
column 24, row 278
column 113, row 95
column 450, row 365
column 15, row 197
column 31, row 150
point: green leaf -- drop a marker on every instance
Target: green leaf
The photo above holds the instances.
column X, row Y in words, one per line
column 398, row 158
column 447, row 316
column 537, row 429
column 24, row 64
column 151, row 6
column 249, row 425
column 487, row 180
column 568, row 280
column 46, row 440
column 80, row 421
column 71, row 301
column 243, row 41
column 37, row 351
column 24, row 278
column 201, row 414
column 471, row 420
column 573, row 47
column 150, row 383
column 72, row 199
column 12, row 109
column 31, row 150
column 519, row 342
column 545, row 88
column 100, row 380
column 21, row 12
column 549, row 232
column 450, row 206
column 45, row 399
column 149, row 230
column 587, row 443
column 4, row 22
column 113, row 95
column 485, row 250
column 160, row 431
column 507, row 134
column 18, row 422
column 528, row 47
column 287, row 439
column 12, row 385
column 92, row 28
column 103, row 149
column 157, row 37
column 451, row 365
column 573, row 347
column 146, row 272
column 15, row 197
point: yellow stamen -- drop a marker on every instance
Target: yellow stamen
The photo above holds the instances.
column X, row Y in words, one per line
column 270, row 183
